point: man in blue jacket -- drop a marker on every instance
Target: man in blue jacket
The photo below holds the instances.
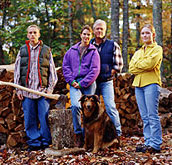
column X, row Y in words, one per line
column 81, row 66
column 111, row 63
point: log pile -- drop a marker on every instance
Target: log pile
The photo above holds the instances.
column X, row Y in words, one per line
column 165, row 109
column 11, row 114
column 126, row 104
column 12, row 118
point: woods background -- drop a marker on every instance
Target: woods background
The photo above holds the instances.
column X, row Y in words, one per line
column 61, row 21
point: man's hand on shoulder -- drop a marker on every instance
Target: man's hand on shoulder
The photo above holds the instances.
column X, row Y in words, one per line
column 113, row 72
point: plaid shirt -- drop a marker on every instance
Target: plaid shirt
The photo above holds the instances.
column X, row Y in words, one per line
column 118, row 65
column 33, row 79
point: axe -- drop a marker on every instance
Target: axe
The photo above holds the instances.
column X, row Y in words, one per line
column 61, row 98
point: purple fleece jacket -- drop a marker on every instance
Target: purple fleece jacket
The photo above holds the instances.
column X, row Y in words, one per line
column 87, row 68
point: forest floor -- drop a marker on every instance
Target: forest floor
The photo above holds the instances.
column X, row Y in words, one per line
column 124, row 155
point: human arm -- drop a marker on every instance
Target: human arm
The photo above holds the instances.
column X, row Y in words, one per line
column 17, row 76
column 132, row 65
column 52, row 75
column 67, row 69
column 117, row 58
column 146, row 63
column 151, row 60
column 94, row 70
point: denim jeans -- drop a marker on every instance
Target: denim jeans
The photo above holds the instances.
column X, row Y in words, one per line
column 36, row 111
column 75, row 95
column 107, row 91
column 148, row 99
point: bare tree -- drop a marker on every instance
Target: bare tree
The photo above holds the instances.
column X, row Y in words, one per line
column 3, row 6
column 138, row 24
column 93, row 10
column 70, row 22
column 157, row 22
column 48, row 21
column 125, row 35
column 171, row 43
column 115, row 20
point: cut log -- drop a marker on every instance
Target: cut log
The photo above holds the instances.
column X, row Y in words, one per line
column 61, row 127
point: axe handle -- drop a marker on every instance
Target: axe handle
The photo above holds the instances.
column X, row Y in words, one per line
column 50, row 96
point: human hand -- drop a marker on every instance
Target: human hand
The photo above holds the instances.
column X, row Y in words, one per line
column 20, row 96
column 113, row 72
column 76, row 85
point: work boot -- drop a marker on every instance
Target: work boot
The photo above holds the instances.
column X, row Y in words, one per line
column 79, row 140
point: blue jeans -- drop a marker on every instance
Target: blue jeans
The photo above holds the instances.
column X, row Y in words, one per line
column 36, row 111
column 75, row 95
column 107, row 91
column 148, row 99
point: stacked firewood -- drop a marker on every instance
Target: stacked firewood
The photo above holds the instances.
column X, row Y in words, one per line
column 11, row 114
column 165, row 109
column 126, row 104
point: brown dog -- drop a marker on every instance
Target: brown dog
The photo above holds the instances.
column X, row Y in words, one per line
column 100, row 132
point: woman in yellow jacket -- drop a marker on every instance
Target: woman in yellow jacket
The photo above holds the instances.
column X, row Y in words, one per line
column 145, row 65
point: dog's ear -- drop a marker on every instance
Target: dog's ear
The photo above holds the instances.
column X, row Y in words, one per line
column 96, row 98
column 82, row 98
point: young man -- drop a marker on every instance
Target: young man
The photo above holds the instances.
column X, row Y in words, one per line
column 35, row 69
column 111, row 63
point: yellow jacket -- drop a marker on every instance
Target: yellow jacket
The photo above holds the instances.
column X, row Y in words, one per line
column 145, row 65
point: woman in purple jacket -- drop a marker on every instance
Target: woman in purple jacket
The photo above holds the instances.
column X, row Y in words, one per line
column 81, row 66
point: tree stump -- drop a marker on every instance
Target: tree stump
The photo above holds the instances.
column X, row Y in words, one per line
column 61, row 127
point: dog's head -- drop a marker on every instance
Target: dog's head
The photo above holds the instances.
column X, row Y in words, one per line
column 89, row 103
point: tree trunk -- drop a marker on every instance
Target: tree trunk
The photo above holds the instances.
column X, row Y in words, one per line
column 171, row 42
column 48, row 20
column 115, row 20
column 125, row 35
column 138, row 26
column 1, row 54
column 70, row 22
column 2, row 60
column 93, row 10
column 157, row 22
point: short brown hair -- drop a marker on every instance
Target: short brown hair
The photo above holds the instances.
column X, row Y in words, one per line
column 152, row 29
column 35, row 26
column 86, row 27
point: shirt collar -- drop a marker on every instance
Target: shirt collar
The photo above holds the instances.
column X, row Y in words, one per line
column 104, row 39
column 34, row 47
column 149, row 46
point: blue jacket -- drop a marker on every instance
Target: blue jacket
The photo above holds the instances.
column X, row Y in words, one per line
column 87, row 68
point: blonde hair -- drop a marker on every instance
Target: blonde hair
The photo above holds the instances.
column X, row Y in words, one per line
column 99, row 21
column 152, row 29
column 35, row 26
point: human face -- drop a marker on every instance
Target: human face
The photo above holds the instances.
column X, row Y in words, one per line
column 33, row 35
column 147, row 36
column 99, row 30
column 85, row 37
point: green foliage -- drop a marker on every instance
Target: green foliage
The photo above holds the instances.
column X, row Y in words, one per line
column 53, row 19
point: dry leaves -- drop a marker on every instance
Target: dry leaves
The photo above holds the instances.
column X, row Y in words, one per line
column 124, row 155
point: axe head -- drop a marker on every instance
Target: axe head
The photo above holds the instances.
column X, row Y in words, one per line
column 61, row 102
